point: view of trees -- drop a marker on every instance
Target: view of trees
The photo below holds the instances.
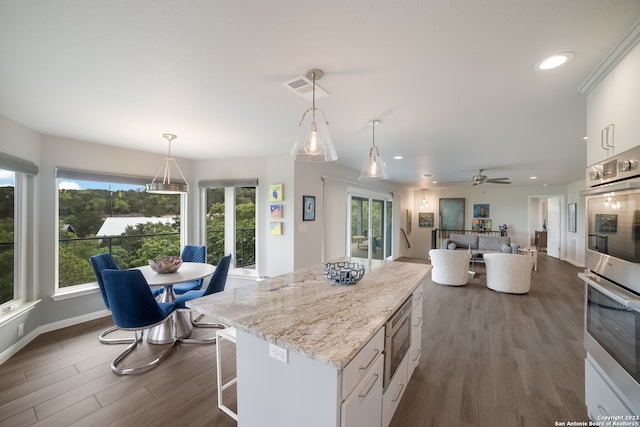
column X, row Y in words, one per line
column 82, row 213
column 6, row 243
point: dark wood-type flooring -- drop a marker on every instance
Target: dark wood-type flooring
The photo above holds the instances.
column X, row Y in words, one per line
column 488, row 359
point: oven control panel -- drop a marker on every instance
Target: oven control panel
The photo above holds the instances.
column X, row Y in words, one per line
column 621, row 167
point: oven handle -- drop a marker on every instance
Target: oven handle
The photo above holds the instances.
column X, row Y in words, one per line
column 614, row 292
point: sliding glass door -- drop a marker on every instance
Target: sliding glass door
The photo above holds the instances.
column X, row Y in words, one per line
column 370, row 227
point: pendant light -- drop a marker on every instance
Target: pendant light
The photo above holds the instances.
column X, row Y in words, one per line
column 424, row 204
column 313, row 142
column 374, row 168
column 166, row 186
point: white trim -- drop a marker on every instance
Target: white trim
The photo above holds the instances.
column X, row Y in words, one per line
column 621, row 49
column 75, row 291
column 19, row 345
column 17, row 311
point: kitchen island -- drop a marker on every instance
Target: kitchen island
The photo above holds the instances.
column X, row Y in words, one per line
column 310, row 353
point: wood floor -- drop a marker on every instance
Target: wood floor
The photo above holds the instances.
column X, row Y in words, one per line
column 488, row 359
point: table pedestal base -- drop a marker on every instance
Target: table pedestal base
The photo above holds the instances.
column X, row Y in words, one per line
column 162, row 333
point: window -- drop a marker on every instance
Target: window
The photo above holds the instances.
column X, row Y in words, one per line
column 370, row 230
column 15, row 181
column 230, row 216
column 8, row 288
column 100, row 213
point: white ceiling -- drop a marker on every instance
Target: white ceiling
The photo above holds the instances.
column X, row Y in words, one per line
column 452, row 81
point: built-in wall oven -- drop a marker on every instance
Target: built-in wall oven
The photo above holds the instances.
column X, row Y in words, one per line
column 397, row 340
column 612, row 278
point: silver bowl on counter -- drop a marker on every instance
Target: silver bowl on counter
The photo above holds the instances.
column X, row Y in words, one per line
column 343, row 273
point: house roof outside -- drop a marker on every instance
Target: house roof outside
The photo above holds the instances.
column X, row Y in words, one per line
column 115, row 226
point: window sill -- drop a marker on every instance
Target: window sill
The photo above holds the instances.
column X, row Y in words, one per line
column 17, row 310
column 76, row 291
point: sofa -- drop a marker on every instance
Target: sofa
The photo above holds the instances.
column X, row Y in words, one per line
column 479, row 244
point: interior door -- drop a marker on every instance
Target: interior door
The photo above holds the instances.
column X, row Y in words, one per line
column 553, row 228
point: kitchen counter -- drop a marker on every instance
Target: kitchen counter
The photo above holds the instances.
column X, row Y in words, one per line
column 303, row 312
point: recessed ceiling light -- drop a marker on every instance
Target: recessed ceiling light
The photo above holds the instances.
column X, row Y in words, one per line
column 533, row 177
column 554, row 61
column 398, row 157
column 427, row 175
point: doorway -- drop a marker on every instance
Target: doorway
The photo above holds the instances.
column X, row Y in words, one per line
column 545, row 220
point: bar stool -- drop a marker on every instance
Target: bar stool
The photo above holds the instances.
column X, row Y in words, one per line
column 228, row 334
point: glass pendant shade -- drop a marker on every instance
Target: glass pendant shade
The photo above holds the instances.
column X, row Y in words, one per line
column 166, row 186
column 374, row 168
column 313, row 141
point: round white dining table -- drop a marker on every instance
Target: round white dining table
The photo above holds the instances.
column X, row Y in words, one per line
column 188, row 271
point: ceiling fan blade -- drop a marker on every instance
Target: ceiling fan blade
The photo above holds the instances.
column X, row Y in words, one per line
column 499, row 179
column 498, row 182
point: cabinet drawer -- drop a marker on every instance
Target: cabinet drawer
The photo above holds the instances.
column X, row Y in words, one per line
column 600, row 399
column 364, row 360
column 362, row 407
column 393, row 393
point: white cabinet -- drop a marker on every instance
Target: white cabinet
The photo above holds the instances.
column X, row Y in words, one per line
column 356, row 370
column 362, row 406
column 416, row 331
column 395, row 390
column 600, row 399
column 613, row 108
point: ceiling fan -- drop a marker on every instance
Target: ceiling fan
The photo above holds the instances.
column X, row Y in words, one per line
column 480, row 178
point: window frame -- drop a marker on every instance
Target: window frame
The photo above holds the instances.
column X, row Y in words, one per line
column 372, row 196
column 229, row 186
column 61, row 293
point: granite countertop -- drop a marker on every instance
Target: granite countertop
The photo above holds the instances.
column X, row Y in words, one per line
column 303, row 312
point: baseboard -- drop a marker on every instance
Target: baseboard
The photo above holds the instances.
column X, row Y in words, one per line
column 49, row 327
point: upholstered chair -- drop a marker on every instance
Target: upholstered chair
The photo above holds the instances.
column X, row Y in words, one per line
column 99, row 263
column 450, row 267
column 216, row 284
column 134, row 308
column 510, row 273
column 191, row 253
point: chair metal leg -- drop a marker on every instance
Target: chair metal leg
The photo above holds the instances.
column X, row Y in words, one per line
column 210, row 340
column 104, row 340
column 142, row 368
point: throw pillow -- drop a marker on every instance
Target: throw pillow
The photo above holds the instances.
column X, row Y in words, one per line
column 505, row 248
column 451, row 246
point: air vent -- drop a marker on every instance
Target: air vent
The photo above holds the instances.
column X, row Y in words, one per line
column 304, row 87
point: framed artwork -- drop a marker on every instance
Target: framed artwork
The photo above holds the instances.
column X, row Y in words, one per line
column 275, row 193
column 409, row 218
column 275, row 211
column 452, row 214
column 308, row 208
column 481, row 211
column 571, row 218
column 276, row 228
column 606, row 223
column 480, row 224
column 425, row 219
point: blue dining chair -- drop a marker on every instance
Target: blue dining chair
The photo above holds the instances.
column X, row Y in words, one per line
column 99, row 263
column 134, row 308
column 216, row 284
column 191, row 253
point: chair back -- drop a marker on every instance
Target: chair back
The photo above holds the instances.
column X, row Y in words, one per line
column 99, row 263
column 509, row 273
column 132, row 303
column 194, row 253
column 450, row 267
column 219, row 277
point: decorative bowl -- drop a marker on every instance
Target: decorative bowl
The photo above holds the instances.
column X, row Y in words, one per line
column 343, row 273
column 165, row 264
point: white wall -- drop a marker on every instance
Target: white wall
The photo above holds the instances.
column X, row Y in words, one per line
column 507, row 205
column 275, row 253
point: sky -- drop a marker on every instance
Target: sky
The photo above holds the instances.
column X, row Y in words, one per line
column 7, row 179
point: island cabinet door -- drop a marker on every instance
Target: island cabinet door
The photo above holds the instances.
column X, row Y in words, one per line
column 363, row 406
